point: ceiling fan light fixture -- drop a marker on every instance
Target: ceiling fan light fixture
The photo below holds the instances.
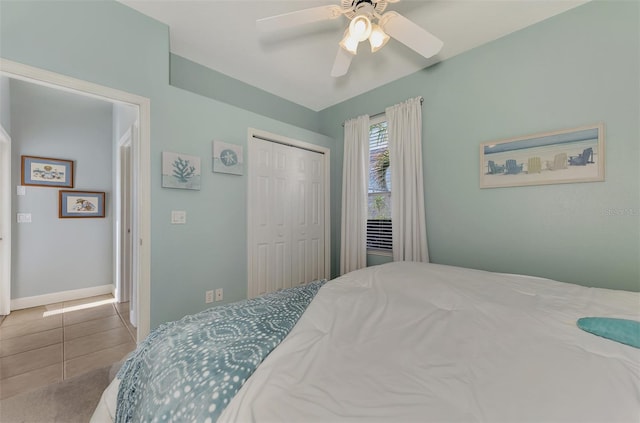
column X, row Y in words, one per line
column 350, row 44
column 378, row 38
column 360, row 27
column 367, row 20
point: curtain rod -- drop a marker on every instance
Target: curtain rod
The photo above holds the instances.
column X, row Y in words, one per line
column 382, row 113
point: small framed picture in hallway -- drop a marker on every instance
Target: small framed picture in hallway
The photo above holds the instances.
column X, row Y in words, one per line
column 79, row 204
column 47, row 172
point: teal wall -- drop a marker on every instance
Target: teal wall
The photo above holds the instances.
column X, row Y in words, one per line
column 110, row 44
column 201, row 80
column 210, row 251
column 578, row 68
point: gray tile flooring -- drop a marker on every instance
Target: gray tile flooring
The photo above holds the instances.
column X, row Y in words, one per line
column 47, row 344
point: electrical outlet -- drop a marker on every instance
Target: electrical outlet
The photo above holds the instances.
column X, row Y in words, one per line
column 208, row 297
column 219, row 294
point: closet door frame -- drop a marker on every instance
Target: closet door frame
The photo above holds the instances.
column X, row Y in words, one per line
column 254, row 134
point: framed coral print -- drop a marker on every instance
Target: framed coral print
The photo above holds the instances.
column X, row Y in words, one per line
column 81, row 204
column 559, row 157
column 180, row 171
column 47, row 172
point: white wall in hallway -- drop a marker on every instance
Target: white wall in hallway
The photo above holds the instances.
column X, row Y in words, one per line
column 51, row 254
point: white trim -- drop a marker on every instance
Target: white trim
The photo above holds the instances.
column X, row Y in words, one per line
column 382, row 117
column 125, row 141
column 382, row 253
column 5, row 224
column 57, row 297
column 142, row 166
column 327, row 200
column 289, row 141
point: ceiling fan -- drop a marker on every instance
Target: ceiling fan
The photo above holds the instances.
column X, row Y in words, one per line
column 363, row 15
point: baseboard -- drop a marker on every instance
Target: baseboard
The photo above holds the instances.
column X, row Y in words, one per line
column 56, row 297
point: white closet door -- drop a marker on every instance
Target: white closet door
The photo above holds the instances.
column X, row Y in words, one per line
column 278, row 205
column 308, row 216
column 286, row 200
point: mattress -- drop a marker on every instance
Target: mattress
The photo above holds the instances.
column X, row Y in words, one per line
column 424, row 342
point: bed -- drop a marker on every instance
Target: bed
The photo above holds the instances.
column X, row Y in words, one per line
column 404, row 342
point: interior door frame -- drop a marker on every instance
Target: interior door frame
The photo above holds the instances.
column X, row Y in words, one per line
column 141, row 170
column 122, row 213
column 5, row 222
column 279, row 139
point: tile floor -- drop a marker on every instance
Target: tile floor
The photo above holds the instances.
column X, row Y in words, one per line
column 47, row 344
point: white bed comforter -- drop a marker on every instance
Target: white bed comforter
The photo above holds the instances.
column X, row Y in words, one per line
column 408, row 342
column 417, row 342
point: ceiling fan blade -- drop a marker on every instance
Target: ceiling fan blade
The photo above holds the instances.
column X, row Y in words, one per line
column 300, row 17
column 342, row 63
column 410, row 34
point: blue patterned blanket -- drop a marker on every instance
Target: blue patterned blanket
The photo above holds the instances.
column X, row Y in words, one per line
column 189, row 370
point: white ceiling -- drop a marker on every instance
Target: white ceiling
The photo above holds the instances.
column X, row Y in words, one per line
column 295, row 63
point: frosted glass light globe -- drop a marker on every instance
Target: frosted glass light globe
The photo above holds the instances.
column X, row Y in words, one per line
column 360, row 28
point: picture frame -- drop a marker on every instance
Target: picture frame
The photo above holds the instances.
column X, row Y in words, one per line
column 181, row 171
column 81, row 204
column 228, row 158
column 558, row 157
column 46, row 172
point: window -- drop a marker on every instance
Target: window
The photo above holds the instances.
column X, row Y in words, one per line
column 379, row 201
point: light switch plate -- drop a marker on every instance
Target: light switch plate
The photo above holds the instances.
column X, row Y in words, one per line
column 178, row 217
column 21, row 190
column 24, row 217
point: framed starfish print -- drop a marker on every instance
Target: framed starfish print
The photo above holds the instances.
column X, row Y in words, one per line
column 227, row 158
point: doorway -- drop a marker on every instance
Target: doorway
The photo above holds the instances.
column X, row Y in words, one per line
column 139, row 178
column 288, row 213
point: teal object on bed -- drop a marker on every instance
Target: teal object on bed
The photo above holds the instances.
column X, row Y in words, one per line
column 619, row 330
column 189, row 370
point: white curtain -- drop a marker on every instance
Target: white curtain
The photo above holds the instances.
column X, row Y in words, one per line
column 353, row 233
column 407, row 199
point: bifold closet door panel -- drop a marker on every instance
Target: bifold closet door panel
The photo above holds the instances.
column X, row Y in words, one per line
column 286, row 200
